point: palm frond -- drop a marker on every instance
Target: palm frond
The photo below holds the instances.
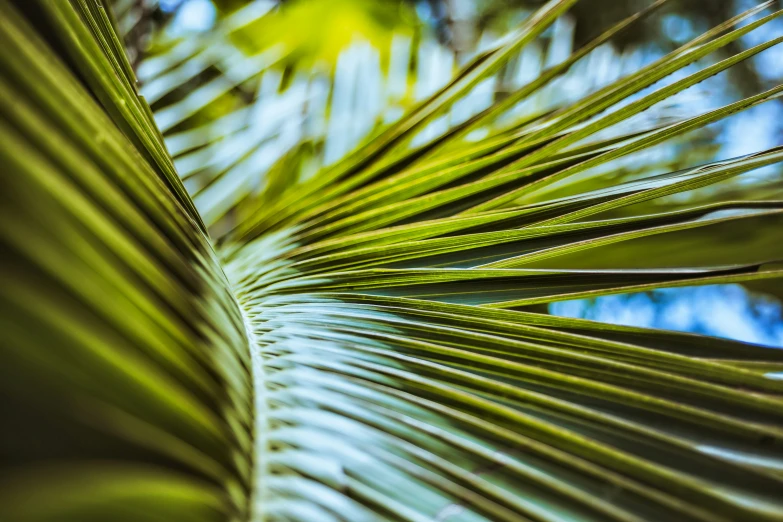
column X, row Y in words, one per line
column 359, row 346
column 135, row 408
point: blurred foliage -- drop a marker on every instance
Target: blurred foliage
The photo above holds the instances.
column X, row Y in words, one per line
column 319, row 30
column 459, row 23
column 682, row 19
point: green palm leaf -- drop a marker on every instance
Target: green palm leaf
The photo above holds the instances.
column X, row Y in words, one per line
column 356, row 347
